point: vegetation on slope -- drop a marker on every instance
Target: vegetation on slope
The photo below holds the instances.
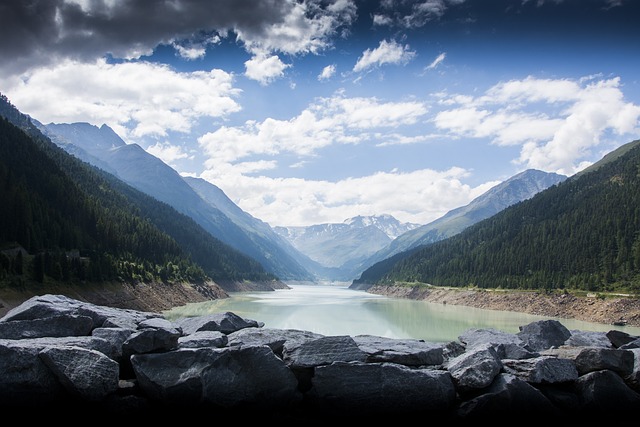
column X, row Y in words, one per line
column 64, row 220
column 583, row 233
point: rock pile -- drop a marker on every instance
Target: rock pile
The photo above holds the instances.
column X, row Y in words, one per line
column 59, row 355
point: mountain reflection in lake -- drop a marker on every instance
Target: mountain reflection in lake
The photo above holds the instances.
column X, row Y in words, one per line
column 336, row 310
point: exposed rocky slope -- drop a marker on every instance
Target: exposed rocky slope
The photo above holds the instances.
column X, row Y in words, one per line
column 609, row 310
column 151, row 297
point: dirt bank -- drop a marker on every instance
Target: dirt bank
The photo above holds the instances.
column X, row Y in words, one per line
column 594, row 309
column 151, row 297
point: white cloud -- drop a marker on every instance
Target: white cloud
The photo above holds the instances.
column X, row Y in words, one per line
column 167, row 152
column 135, row 99
column 388, row 52
column 382, row 20
column 305, row 27
column 295, row 202
column 336, row 120
column 327, row 72
column 235, row 152
column 195, row 50
column 436, row 61
column 265, row 69
column 557, row 122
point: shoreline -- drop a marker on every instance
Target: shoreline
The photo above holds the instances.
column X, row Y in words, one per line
column 623, row 311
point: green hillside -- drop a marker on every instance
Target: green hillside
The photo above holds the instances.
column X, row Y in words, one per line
column 583, row 233
column 64, row 220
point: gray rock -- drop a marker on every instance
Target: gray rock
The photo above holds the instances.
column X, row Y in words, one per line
column 88, row 374
column 542, row 370
column 324, row 351
column 25, row 379
column 604, row 391
column 631, row 344
column 594, row 359
column 226, row 323
column 54, row 326
column 174, row 377
column 48, row 305
column 619, row 338
column 150, row 340
column 213, row 339
column 381, row 388
column 508, row 346
column 115, row 337
column 403, row 351
column 475, row 369
column 250, row 377
column 543, row 334
column 276, row 339
column 508, row 395
column 226, row 363
column 589, row 339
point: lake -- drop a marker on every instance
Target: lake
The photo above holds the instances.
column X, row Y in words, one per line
column 334, row 309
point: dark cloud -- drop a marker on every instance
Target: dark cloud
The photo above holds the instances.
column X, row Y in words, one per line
column 39, row 32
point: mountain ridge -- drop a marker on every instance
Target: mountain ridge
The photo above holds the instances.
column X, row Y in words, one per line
column 579, row 234
column 152, row 176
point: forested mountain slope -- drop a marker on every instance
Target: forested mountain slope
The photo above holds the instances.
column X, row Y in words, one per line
column 77, row 223
column 103, row 148
column 519, row 187
column 583, row 233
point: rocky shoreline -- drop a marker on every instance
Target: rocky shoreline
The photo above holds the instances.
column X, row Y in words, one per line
column 158, row 297
column 609, row 310
column 60, row 357
column 152, row 297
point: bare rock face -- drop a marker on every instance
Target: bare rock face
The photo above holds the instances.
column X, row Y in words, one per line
column 59, row 356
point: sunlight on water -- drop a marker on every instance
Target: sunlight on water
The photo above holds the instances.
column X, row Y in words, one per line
column 337, row 310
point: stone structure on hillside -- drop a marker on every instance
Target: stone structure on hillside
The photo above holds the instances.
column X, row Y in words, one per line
column 59, row 356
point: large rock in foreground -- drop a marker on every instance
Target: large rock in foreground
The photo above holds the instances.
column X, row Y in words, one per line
column 60, row 356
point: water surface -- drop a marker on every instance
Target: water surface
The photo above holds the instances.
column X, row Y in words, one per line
column 337, row 310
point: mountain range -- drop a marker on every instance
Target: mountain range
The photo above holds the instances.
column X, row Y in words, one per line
column 203, row 202
column 62, row 219
column 337, row 252
column 582, row 233
column 358, row 243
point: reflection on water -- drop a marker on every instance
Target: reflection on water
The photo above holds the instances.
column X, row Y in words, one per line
column 337, row 310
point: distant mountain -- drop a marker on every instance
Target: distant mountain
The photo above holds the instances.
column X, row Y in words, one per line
column 62, row 219
column 579, row 234
column 102, row 147
column 258, row 230
column 515, row 189
column 340, row 246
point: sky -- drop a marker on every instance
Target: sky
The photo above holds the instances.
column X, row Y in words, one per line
column 315, row 111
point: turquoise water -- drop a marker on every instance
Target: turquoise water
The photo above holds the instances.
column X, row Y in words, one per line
column 337, row 310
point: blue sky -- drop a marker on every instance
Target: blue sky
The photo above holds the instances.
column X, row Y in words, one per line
column 314, row 111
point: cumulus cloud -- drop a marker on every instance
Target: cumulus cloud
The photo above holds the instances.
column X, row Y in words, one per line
column 135, row 99
column 428, row 193
column 168, row 152
column 327, row 72
column 265, row 69
column 580, row 114
column 335, row 120
column 44, row 32
column 388, row 52
column 238, row 155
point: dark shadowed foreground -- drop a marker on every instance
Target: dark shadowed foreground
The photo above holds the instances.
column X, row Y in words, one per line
column 61, row 357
